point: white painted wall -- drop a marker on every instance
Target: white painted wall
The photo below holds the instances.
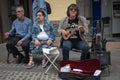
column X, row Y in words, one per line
column 59, row 8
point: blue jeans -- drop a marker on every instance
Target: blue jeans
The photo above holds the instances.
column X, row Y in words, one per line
column 67, row 45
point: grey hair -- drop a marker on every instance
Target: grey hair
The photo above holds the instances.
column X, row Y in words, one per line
column 21, row 7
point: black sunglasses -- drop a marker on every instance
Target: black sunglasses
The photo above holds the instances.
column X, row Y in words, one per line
column 71, row 9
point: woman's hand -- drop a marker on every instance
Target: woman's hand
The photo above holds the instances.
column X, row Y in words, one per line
column 37, row 42
column 49, row 41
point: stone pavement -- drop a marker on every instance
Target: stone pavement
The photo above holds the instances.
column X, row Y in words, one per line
column 15, row 71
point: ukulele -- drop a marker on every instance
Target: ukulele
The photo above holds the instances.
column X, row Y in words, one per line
column 70, row 32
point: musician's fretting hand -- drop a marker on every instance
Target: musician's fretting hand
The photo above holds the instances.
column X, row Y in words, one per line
column 64, row 32
column 81, row 28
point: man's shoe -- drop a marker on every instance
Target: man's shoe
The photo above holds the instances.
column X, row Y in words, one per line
column 25, row 60
column 20, row 58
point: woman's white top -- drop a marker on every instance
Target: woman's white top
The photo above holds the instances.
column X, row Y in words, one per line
column 42, row 35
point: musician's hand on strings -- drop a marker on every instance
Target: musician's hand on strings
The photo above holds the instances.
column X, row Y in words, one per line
column 81, row 28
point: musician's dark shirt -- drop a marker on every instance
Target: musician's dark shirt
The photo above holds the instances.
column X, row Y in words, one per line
column 72, row 24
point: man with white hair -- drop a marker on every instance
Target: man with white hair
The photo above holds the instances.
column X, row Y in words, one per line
column 19, row 35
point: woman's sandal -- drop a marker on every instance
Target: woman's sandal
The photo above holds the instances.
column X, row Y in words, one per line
column 43, row 63
column 30, row 65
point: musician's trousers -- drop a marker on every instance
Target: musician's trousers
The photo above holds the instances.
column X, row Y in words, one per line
column 68, row 45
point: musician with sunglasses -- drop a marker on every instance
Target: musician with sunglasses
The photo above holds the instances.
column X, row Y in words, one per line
column 72, row 29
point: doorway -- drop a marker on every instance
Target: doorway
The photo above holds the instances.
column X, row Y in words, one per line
column 0, row 27
column 11, row 8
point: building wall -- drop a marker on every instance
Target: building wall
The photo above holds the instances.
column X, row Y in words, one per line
column 59, row 8
column 4, row 15
column 0, row 24
column 107, row 13
column 30, row 8
column 116, row 18
column 84, row 7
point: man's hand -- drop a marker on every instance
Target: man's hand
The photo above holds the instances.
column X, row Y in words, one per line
column 6, row 35
column 19, row 43
column 37, row 42
column 81, row 28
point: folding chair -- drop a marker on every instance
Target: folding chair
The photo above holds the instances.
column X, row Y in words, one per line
column 51, row 54
column 10, row 52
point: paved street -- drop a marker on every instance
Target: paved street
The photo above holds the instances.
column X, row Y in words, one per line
column 15, row 71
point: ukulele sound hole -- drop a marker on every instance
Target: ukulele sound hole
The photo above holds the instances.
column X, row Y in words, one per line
column 69, row 31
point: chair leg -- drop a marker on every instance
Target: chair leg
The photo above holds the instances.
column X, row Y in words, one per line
column 8, row 57
column 49, row 53
column 52, row 63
